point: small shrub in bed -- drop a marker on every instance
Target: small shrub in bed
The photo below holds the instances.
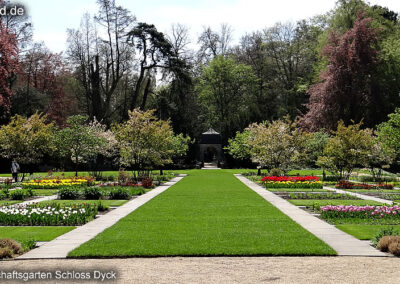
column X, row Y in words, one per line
column 147, row 182
column 69, row 194
column 92, row 193
column 101, row 207
column 21, row 194
column 9, row 248
column 119, row 193
column 4, row 194
column 394, row 246
column 388, row 231
column 137, row 191
column 390, row 244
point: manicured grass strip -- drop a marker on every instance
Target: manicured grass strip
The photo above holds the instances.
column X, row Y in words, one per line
column 364, row 232
column 323, row 202
column 39, row 234
column 72, row 202
column 9, row 202
column 208, row 213
column 44, row 192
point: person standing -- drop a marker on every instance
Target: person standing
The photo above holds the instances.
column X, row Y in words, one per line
column 15, row 169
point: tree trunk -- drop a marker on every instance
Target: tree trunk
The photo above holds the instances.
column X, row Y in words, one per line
column 76, row 166
column 145, row 94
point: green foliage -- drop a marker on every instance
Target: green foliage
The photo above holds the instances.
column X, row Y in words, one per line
column 69, row 193
column 226, row 90
column 348, row 149
column 92, row 193
column 119, row 193
column 20, row 194
column 387, row 231
column 278, row 144
column 389, row 132
column 314, row 147
column 101, row 207
column 238, row 147
column 79, row 142
column 148, row 142
column 27, row 245
column 27, row 139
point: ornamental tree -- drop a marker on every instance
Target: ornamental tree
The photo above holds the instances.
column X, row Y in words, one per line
column 239, row 146
column 345, row 87
column 27, row 140
column 147, row 142
column 379, row 158
column 80, row 142
column 8, row 67
column 348, row 148
column 389, row 132
column 278, row 144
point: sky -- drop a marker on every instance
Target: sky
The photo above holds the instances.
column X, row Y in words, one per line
column 51, row 18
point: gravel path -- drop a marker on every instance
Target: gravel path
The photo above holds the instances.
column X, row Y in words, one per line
column 231, row 269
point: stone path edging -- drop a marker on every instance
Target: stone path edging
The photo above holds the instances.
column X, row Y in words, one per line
column 362, row 196
column 61, row 246
column 342, row 243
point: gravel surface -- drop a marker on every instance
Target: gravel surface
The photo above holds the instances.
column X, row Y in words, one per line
column 227, row 269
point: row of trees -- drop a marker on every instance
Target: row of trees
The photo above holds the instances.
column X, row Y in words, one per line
column 142, row 143
column 281, row 145
column 340, row 65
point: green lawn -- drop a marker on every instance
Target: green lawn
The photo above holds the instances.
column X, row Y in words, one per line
column 9, row 202
column 72, row 202
column 207, row 213
column 364, row 232
column 39, row 234
column 323, row 202
column 44, row 192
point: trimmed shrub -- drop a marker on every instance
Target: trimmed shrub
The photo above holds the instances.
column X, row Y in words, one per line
column 275, row 172
column 9, row 248
column 147, row 182
column 20, row 194
column 69, row 193
column 92, row 193
column 119, row 193
column 394, row 246
column 384, row 242
column 389, row 231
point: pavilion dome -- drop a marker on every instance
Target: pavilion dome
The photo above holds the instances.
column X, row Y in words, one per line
column 210, row 137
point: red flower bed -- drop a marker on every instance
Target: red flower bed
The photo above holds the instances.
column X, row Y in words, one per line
column 293, row 179
column 345, row 184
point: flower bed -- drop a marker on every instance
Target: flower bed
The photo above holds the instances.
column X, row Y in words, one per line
column 360, row 212
column 34, row 215
column 344, row 184
column 292, row 182
column 51, row 183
